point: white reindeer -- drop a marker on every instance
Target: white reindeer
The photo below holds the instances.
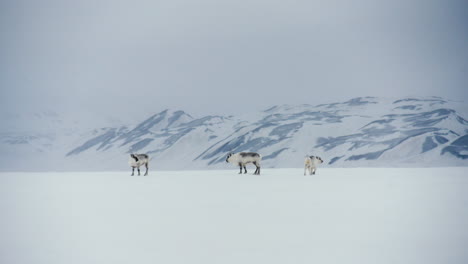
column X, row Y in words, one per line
column 137, row 160
column 311, row 163
column 243, row 158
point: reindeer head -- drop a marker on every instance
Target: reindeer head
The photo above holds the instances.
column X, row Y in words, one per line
column 319, row 159
column 134, row 157
column 228, row 156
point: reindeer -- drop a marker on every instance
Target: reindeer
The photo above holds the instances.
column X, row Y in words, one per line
column 137, row 160
column 243, row 158
column 311, row 163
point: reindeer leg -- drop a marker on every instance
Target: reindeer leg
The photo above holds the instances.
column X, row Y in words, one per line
column 245, row 169
column 133, row 171
column 240, row 166
column 256, row 168
column 146, row 165
column 138, row 171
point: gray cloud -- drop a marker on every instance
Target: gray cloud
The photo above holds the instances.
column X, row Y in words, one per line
column 216, row 56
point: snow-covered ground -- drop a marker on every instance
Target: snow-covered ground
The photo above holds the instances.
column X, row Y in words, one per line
column 358, row 215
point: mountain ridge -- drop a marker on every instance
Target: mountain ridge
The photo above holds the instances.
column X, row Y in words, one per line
column 363, row 131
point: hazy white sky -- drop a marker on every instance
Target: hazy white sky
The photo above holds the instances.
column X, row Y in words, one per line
column 217, row 56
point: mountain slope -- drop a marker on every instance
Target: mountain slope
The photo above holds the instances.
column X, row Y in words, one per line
column 359, row 132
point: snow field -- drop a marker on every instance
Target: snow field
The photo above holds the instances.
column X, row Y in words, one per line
column 358, row 215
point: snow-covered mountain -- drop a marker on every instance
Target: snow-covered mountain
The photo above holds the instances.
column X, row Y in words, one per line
column 363, row 132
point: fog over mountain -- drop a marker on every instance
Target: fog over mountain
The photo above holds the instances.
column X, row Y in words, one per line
column 83, row 83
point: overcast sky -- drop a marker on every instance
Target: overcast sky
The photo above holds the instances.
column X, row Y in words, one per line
column 217, row 56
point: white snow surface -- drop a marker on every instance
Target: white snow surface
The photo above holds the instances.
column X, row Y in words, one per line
column 345, row 215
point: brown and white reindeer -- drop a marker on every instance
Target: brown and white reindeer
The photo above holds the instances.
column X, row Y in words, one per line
column 311, row 163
